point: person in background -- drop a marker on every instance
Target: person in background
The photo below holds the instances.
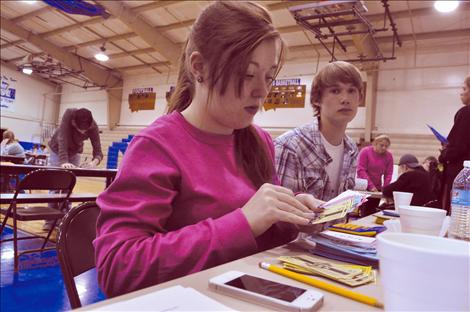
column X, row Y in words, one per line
column 432, row 166
column 66, row 144
column 319, row 158
column 10, row 145
column 376, row 162
column 197, row 188
column 429, row 163
column 458, row 148
column 412, row 179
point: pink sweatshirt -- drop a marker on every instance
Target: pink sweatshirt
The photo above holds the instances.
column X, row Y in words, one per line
column 174, row 208
column 372, row 166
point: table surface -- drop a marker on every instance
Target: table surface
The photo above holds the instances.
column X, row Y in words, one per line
column 6, row 198
column 199, row 281
column 83, row 172
column 13, row 159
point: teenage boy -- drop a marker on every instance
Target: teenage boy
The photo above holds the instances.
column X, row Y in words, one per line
column 66, row 144
column 319, row 158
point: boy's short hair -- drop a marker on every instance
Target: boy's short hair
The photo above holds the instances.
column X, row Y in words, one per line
column 329, row 75
column 83, row 118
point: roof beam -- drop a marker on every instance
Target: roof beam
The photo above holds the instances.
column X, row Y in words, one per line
column 143, row 66
column 130, row 53
column 95, row 73
column 26, row 16
column 154, row 38
column 152, row 6
column 129, row 35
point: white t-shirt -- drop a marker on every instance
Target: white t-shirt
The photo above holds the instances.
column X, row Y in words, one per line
column 333, row 169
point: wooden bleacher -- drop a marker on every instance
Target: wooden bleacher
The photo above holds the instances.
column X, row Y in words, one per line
column 420, row 145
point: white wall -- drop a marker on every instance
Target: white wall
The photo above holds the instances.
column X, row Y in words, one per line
column 95, row 101
column 413, row 90
column 30, row 106
column 281, row 118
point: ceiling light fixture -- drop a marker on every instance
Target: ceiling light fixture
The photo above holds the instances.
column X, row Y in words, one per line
column 27, row 70
column 446, row 6
column 101, row 56
column 29, row 1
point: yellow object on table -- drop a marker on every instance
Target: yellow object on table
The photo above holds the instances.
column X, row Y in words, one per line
column 322, row 285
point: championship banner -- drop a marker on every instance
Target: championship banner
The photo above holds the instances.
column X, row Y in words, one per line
column 142, row 99
column 286, row 93
column 8, row 93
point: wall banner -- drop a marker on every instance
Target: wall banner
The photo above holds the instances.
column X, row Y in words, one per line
column 8, row 93
column 142, row 99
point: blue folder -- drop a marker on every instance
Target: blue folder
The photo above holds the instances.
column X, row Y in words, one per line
column 438, row 136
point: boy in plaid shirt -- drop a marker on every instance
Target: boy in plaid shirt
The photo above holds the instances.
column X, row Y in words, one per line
column 319, row 158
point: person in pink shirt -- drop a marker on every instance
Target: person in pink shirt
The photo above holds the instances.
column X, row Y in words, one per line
column 375, row 162
column 198, row 188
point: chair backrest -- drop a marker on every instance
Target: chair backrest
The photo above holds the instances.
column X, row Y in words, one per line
column 48, row 179
column 75, row 246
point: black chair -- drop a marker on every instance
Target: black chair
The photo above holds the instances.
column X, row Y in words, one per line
column 74, row 246
column 42, row 179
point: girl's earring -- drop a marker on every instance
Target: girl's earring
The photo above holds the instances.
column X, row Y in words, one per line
column 199, row 79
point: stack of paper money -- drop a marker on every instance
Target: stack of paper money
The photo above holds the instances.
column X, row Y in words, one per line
column 339, row 206
column 351, row 275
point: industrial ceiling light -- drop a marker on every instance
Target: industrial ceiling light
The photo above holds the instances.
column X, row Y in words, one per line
column 101, row 56
column 27, row 70
column 446, row 6
column 29, row 1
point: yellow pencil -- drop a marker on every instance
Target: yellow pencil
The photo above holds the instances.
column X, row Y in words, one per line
column 322, row 285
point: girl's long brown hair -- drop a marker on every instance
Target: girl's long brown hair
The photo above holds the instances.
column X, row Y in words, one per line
column 226, row 33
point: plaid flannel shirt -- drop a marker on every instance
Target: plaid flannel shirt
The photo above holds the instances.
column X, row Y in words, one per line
column 301, row 159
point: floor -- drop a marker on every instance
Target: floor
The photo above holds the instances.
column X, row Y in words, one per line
column 38, row 285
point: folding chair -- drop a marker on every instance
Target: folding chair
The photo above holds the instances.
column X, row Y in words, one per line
column 42, row 179
column 75, row 246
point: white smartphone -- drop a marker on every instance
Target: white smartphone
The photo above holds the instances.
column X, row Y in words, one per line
column 262, row 291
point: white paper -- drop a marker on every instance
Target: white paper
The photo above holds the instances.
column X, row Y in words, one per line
column 176, row 298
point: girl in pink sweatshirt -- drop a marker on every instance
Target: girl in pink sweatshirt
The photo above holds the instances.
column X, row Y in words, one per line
column 197, row 188
column 376, row 162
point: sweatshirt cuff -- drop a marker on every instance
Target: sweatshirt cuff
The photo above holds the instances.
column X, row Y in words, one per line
column 235, row 236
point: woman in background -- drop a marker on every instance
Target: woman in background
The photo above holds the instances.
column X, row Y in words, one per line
column 458, row 149
column 10, row 146
column 375, row 162
column 198, row 188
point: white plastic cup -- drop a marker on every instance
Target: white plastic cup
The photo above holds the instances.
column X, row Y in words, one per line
column 421, row 220
column 401, row 198
column 424, row 273
column 361, row 184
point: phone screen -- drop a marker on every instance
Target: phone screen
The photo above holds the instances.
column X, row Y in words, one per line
column 267, row 288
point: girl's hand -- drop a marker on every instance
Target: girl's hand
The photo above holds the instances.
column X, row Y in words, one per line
column 273, row 203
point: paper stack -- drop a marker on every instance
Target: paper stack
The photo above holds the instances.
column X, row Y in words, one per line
column 341, row 205
column 351, row 275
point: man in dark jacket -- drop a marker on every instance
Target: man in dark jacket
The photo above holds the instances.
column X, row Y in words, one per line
column 413, row 179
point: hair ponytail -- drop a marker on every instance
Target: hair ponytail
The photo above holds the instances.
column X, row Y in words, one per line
column 252, row 155
column 184, row 90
